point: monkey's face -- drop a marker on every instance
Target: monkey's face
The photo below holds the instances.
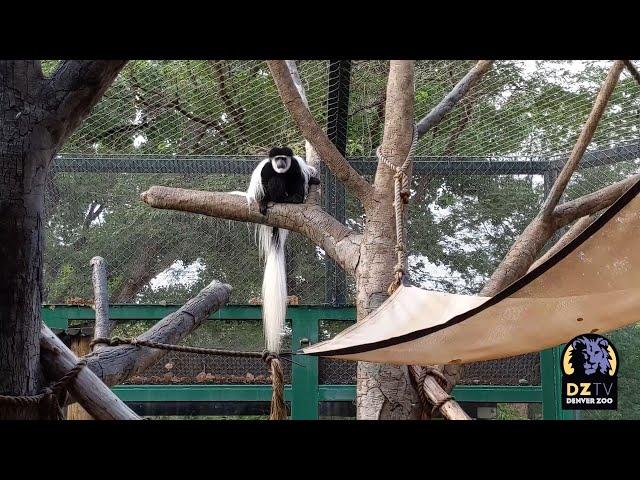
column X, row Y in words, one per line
column 281, row 163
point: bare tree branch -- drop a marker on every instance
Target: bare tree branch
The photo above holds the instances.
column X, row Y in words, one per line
column 92, row 394
column 525, row 249
column 575, row 230
column 113, row 365
column 337, row 240
column 584, row 139
column 222, row 73
column 72, row 91
column 311, row 156
column 312, row 132
column 435, row 116
column 591, row 203
column 632, row 70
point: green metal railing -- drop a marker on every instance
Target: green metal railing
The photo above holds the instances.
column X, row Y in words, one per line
column 305, row 392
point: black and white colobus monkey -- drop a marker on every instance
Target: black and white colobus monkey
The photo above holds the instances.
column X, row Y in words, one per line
column 280, row 178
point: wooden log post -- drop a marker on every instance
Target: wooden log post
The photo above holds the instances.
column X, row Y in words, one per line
column 104, row 325
column 79, row 345
column 96, row 397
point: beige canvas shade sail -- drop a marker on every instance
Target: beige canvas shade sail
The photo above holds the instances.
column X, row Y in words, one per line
column 591, row 285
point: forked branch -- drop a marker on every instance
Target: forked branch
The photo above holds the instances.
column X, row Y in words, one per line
column 435, row 116
column 528, row 245
column 583, row 141
column 312, row 132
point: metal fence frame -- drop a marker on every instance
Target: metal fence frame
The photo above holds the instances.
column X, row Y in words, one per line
column 304, row 393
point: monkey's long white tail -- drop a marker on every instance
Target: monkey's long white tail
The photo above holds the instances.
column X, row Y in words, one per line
column 274, row 285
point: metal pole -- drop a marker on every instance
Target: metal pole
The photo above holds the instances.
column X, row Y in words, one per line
column 334, row 198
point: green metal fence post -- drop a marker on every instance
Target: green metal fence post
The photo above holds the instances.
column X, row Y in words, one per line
column 549, row 395
column 304, row 373
column 557, row 359
column 551, row 376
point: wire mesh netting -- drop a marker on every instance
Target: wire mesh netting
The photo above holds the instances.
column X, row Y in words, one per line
column 180, row 368
column 479, row 177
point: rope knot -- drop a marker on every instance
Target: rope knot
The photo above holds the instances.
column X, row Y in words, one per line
column 268, row 356
column 99, row 341
column 401, row 199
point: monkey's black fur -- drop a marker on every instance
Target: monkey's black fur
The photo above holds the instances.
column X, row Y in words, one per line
column 287, row 187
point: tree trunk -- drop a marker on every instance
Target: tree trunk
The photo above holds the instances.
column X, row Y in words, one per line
column 385, row 392
column 37, row 115
column 23, row 156
column 21, row 245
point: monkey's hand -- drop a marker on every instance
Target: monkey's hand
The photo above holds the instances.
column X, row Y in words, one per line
column 263, row 207
column 314, row 181
column 295, row 198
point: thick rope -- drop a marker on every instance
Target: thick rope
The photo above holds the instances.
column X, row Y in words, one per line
column 115, row 341
column 49, row 399
column 418, row 374
column 400, row 201
column 278, row 407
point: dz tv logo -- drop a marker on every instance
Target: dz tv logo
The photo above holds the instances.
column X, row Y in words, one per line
column 590, row 365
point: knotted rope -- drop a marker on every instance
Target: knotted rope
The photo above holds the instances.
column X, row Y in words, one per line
column 49, row 400
column 418, row 375
column 115, row 341
column 273, row 361
column 278, row 407
column 400, row 201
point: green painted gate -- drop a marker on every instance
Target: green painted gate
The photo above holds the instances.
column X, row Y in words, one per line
column 305, row 392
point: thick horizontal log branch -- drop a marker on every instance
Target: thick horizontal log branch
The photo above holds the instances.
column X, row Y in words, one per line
column 113, row 365
column 94, row 396
column 591, row 203
column 313, row 133
column 435, row 116
column 339, row 242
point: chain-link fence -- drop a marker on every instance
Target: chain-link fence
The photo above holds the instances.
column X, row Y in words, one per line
column 479, row 177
